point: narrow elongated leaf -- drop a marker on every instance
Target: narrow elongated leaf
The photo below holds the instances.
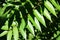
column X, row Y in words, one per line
column 30, row 27
column 3, row 33
column 39, row 17
column 50, row 7
column 22, row 26
column 9, row 35
column 38, row 25
column 5, row 27
column 2, row 10
column 15, row 33
column 47, row 15
column 55, row 4
column 5, row 14
column 35, row 25
column 10, row 14
column 23, row 33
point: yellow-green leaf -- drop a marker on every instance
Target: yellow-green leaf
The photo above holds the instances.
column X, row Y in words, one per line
column 23, row 33
column 22, row 25
column 3, row 33
column 50, row 7
column 47, row 15
column 15, row 33
column 39, row 17
column 30, row 27
column 2, row 10
column 5, row 27
column 55, row 4
column 9, row 35
column 38, row 25
column 34, row 23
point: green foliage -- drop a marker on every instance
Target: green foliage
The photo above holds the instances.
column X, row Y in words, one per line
column 30, row 19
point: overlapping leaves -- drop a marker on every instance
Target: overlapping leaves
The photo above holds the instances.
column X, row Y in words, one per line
column 26, row 16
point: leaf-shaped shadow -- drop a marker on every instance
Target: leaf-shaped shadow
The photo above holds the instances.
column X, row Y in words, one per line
column 18, row 19
column 23, row 12
column 10, row 20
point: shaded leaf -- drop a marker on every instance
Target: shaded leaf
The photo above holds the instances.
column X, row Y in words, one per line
column 5, row 14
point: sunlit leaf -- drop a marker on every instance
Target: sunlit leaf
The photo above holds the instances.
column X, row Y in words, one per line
column 5, row 27
column 23, row 33
column 50, row 7
column 22, row 25
column 2, row 10
column 38, row 25
column 30, row 27
column 9, row 35
column 47, row 15
column 55, row 4
column 15, row 33
column 3, row 33
column 39, row 17
column 34, row 23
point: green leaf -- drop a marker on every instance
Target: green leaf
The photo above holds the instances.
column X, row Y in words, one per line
column 23, row 33
column 58, row 38
column 30, row 36
column 55, row 35
column 3, row 33
column 5, row 27
column 47, row 15
column 50, row 7
column 2, row 10
column 10, row 14
column 30, row 27
column 9, row 35
column 38, row 25
column 5, row 14
column 15, row 33
column 55, row 4
column 39, row 17
column 34, row 23
column 22, row 25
